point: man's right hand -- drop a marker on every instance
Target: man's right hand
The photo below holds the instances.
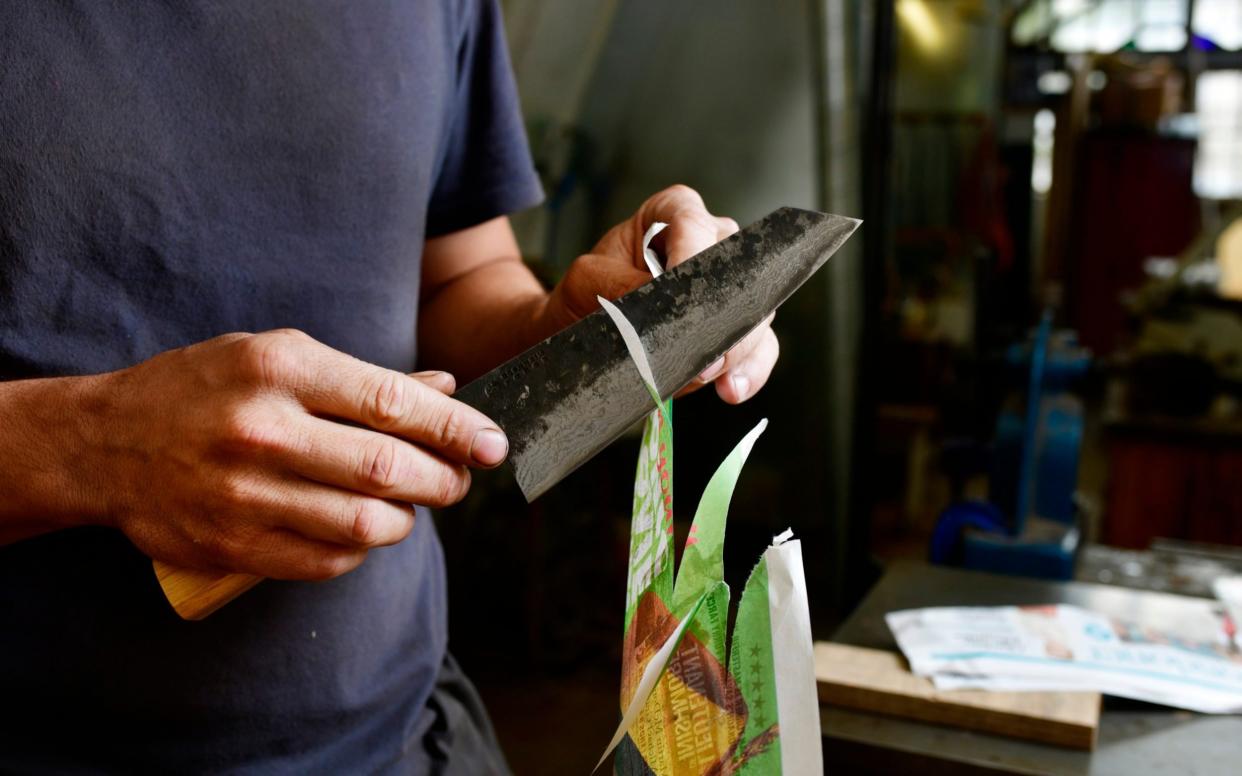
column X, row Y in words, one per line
column 273, row 454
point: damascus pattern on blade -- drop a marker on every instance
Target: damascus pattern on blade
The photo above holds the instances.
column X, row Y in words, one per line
column 570, row 396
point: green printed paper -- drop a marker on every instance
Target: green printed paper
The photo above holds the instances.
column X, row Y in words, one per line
column 651, row 529
column 688, row 706
column 752, row 664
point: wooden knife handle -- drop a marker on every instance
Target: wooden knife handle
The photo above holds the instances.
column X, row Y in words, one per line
column 196, row 594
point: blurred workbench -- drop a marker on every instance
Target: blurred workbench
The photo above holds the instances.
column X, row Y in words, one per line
column 1134, row 738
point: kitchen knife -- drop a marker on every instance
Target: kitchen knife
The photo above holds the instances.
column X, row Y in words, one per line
column 568, row 397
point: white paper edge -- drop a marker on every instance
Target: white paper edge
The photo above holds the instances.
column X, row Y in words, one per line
column 649, row 256
column 633, row 343
column 797, row 701
column 1228, row 591
column 638, row 354
column 651, row 675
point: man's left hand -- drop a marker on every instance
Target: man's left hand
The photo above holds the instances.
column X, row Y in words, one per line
column 615, row 266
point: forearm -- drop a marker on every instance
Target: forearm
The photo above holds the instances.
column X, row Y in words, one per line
column 482, row 318
column 41, row 436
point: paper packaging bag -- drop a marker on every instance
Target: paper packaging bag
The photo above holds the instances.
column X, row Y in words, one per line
column 688, row 708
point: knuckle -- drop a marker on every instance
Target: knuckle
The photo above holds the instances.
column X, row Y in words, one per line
column 380, row 466
column 451, row 487
column 246, row 431
column 321, row 571
column 581, row 263
column 451, row 427
column 227, row 545
column 227, row 339
column 698, row 218
column 231, row 492
column 438, row 487
column 387, row 400
column 365, row 526
column 751, row 342
column 334, row 565
column 682, row 191
column 409, row 522
column 462, row 484
column 578, row 277
column 266, row 359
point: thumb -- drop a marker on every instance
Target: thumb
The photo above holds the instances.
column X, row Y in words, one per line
column 443, row 382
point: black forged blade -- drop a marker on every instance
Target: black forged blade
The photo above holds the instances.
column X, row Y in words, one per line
column 567, row 398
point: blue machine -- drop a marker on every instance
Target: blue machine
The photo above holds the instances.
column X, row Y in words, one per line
column 1030, row 526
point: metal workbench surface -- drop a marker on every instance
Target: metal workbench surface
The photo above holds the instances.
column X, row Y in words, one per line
column 1135, row 738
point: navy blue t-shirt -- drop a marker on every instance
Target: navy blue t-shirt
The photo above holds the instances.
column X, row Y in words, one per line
column 177, row 170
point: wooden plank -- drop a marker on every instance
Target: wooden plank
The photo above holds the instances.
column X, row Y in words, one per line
column 880, row 681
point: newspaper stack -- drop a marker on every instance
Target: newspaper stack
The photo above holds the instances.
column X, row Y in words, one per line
column 1067, row 648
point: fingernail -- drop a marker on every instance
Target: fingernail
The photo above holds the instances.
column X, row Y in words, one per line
column 713, row 370
column 741, row 386
column 489, row 447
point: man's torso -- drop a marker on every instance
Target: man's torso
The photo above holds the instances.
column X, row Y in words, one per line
column 170, row 172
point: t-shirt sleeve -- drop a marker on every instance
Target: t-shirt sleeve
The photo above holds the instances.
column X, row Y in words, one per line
column 486, row 169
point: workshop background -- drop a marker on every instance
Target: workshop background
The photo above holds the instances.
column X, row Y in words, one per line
column 1028, row 359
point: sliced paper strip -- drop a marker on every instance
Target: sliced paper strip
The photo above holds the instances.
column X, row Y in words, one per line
column 651, row 675
column 793, row 659
column 638, row 354
column 703, row 561
column 649, row 256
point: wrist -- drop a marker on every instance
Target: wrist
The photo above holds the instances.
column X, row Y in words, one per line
column 88, row 410
column 45, row 466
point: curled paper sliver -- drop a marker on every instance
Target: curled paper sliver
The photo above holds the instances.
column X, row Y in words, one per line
column 638, row 354
column 649, row 255
column 633, row 344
